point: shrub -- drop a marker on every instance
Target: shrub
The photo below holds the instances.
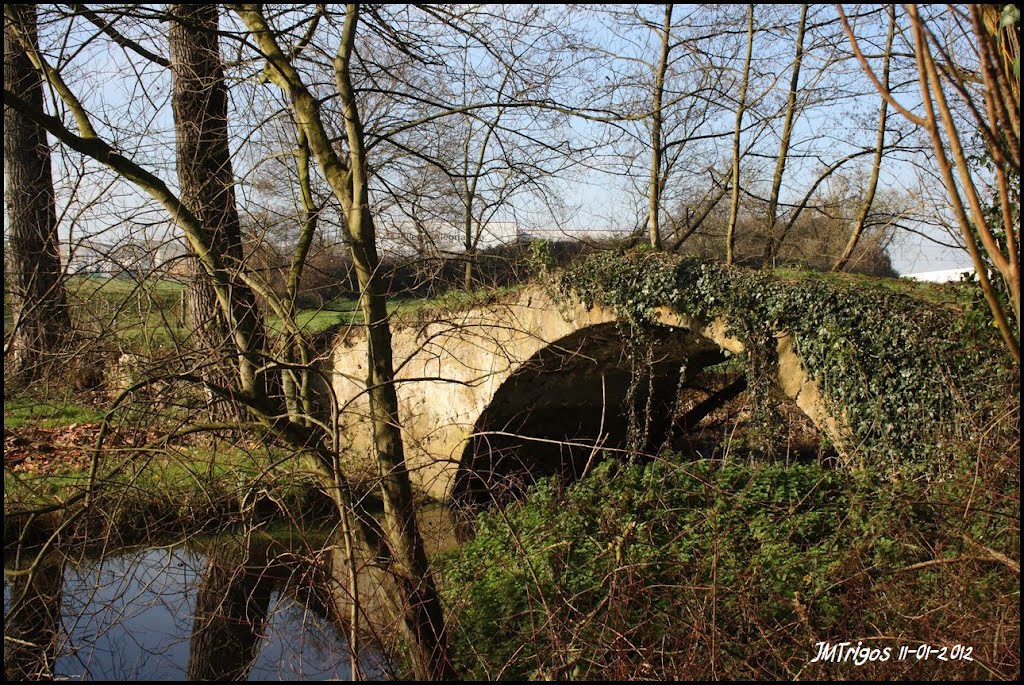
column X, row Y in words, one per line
column 719, row 570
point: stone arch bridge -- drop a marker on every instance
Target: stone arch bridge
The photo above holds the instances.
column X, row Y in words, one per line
column 473, row 382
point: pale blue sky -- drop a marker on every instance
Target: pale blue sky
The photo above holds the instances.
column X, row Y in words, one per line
column 604, row 201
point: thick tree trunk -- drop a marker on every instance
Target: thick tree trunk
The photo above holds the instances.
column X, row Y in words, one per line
column 200, row 104
column 34, row 278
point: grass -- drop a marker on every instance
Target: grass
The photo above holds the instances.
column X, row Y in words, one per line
column 183, row 487
column 145, row 317
column 47, row 412
column 164, row 291
column 344, row 311
column 337, row 312
column 944, row 294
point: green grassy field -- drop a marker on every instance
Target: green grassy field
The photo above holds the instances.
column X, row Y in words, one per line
column 143, row 316
column 148, row 316
column 145, row 319
column 43, row 412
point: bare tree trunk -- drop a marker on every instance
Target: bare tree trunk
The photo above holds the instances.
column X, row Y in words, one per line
column 423, row 615
column 205, row 174
column 296, row 386
column 469, row 188
column 468, row 275
column 422, row 621
column 472, row 227
column 39, row 305
column 32, row 625
column 654, row 209
column 773, row 245
column 231, row 609
column 869, row 197
column 730, row 233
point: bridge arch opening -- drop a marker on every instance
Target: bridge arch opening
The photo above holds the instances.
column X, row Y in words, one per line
column 569, row 405
column 570, row 401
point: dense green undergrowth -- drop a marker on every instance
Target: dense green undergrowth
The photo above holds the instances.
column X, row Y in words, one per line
column 712, row 570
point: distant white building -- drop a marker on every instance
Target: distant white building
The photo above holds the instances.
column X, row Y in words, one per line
column 444, row 237
column 172, row 257
column 91, row 257
column 941, row 276
column 129, row 257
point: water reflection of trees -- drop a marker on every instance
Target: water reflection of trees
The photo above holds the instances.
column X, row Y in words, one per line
column 32, row 621
column 234, row 600
column 230, row 611
column 224, row 608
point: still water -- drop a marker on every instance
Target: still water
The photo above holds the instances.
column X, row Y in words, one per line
column 177, row 612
